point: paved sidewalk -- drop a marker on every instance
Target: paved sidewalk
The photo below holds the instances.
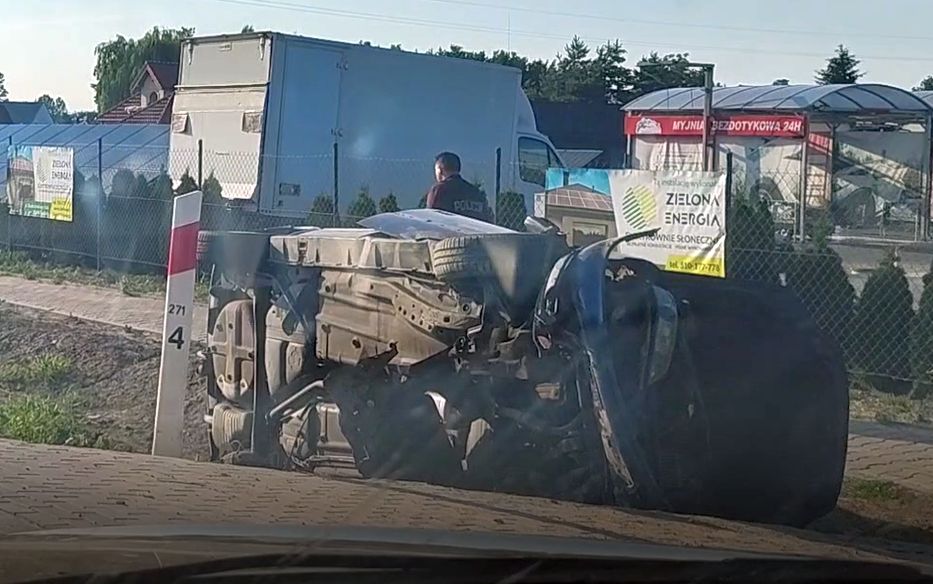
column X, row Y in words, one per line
column 55, row 487
column 894, row 452
column 104, row 305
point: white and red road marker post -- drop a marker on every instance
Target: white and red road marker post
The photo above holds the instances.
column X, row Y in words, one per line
column 176, row 326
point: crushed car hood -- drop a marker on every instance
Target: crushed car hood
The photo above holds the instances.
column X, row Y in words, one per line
column 56, row 553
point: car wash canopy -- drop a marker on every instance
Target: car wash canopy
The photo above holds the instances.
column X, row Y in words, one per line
column 766, row 128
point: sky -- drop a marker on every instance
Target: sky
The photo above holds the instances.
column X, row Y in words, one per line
column 47, row 46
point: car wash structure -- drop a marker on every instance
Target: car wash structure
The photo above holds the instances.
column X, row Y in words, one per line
column 859, row 153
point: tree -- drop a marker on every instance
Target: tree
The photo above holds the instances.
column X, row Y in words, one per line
column 186, row 184
column 841, row 68
column 247, row 28
column 881, row 326
column 3, row 92
column 140, row 187
column 57, row 109
column 926, row 84
column 750, row 244
column 119, row 61
column 322, row 211
column 161, row 187
column 212, row 189
column 921, row 342
column 388, row 204
column 657, row 72
column 123, row 183
column 363, row 206
column 781, row 81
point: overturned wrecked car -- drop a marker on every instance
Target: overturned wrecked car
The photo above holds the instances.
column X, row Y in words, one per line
column 427, row 346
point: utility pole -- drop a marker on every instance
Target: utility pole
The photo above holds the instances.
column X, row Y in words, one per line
column 708, row 136
column 707, row 116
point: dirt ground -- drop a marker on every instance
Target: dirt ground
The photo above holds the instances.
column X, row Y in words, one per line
column 114, row 376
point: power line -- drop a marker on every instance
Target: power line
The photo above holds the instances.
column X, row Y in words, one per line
column 625, row 20
column 295, row 7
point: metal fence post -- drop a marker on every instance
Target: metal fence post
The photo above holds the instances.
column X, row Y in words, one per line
column 336, row 184
column 498, row 173
column 9, row 217
column 728, row 201
column 100, row 193
column 200, row 163
column 802, row 197
column 927, row 180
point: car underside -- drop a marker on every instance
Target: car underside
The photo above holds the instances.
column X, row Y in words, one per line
column 425, row 346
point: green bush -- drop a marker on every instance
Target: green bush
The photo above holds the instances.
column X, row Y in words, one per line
column 322, row 211
column 123, row 183
column 43, row 420
column 388, row 204
column 186, row 184
column 921, row 341
column 361, row 207
column 212, row 190
column 819, row 279
column 750, row 247
column 881, row 325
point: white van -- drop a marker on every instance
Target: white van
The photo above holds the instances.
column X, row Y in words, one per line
column 279, row 116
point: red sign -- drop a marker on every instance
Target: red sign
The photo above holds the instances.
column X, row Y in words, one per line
column 738, row 125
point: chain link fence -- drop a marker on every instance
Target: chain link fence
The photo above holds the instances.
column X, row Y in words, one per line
column 872, row 294
column 123, row 198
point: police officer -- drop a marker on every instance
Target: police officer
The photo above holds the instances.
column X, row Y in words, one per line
column 452, row 193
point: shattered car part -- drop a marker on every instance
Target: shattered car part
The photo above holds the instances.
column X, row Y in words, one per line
column 426, row 346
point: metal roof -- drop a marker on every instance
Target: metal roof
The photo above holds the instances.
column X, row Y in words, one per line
column 926, row 96
column 841, row 99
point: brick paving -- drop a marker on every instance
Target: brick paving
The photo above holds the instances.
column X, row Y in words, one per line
column 59, row 487
column 895, row 452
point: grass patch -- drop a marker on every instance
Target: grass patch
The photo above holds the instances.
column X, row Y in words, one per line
column 867, row 403
column 872, row 490
column 45, row 420
column 45, row 370
column 21, row 265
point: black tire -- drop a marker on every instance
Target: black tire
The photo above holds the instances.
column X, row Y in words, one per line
column 460, row 257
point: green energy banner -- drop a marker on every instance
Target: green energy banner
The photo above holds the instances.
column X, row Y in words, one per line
column 688, row 209
column 41, row 182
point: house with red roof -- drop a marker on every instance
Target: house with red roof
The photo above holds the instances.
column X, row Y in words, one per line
column 151, row 96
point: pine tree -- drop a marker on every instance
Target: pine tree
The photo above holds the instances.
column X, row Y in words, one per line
column 363, row 206
column 186, row 184
column 750, row 243
column 322, row 211
column 841, row 68
column 882, row 323
column 212, row 189
column 388, row 204
column 921, row 342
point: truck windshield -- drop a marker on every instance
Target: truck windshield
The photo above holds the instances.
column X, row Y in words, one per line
column 534, row 158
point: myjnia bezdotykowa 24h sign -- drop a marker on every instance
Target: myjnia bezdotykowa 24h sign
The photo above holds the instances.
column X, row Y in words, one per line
column 40, row 182
column 687, row 207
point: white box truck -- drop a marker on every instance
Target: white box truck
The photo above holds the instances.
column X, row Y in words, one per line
column 271, row 110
